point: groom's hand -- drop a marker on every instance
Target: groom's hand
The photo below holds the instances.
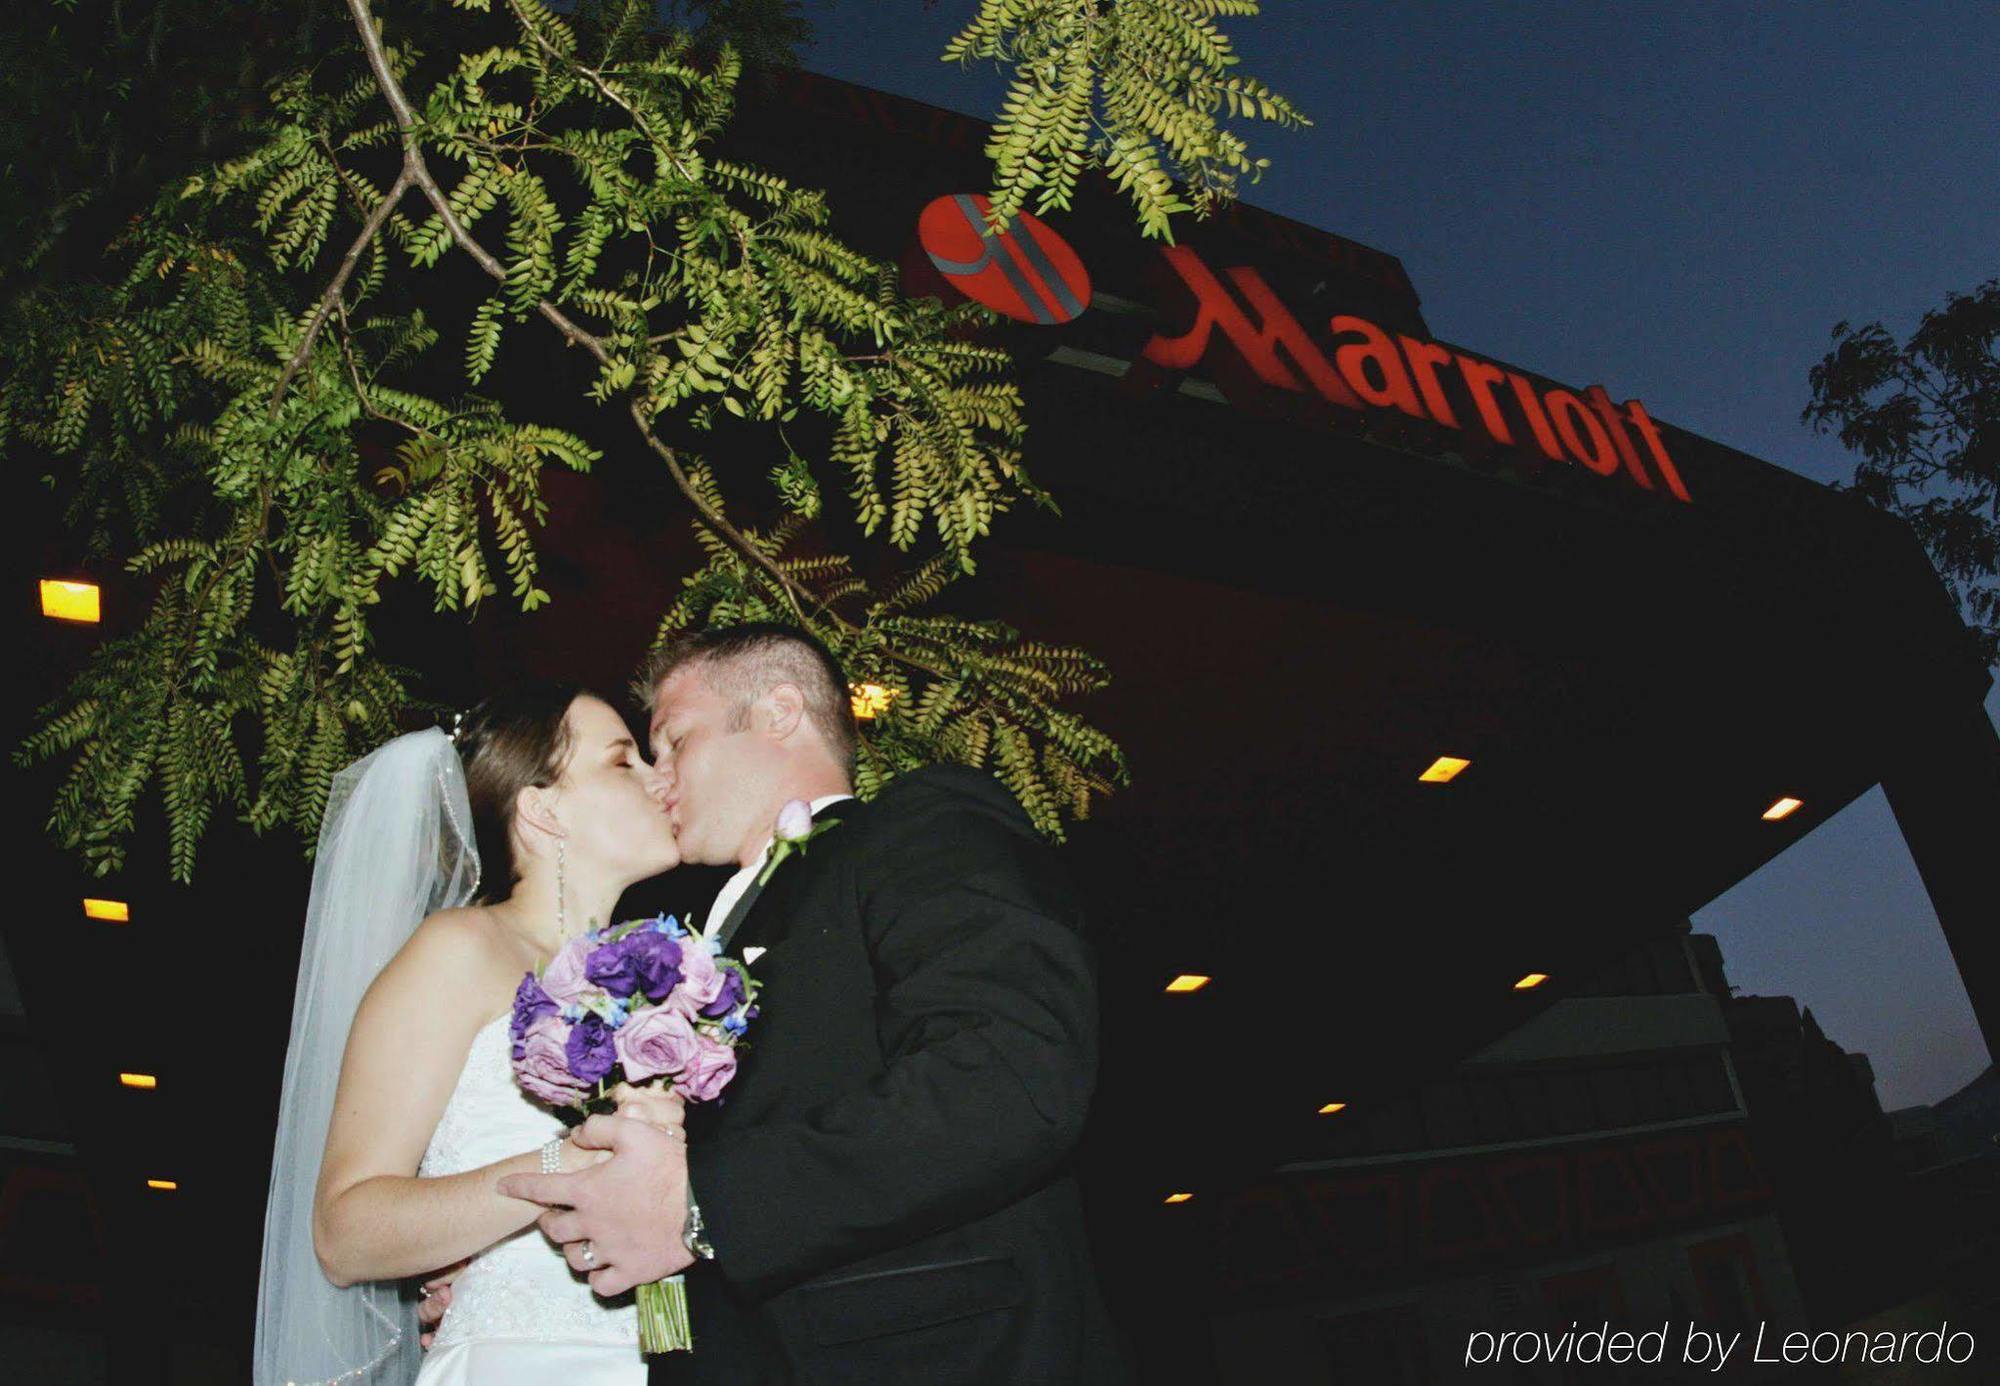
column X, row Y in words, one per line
column 620, row 1221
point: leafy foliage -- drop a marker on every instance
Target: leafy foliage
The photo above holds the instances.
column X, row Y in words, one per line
column 249, row 415
column 1138, row 86
column 1924, row 415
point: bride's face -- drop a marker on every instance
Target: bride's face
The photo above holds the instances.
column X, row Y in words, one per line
column 610, row 800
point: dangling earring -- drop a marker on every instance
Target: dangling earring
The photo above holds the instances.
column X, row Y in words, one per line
column 562, row 893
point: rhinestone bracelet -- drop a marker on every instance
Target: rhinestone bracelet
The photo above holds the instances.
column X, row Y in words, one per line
column 552, row 1156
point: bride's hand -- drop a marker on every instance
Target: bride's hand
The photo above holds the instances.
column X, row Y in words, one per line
column 574, row 1158
column 435, row 1298
column 664, row 1109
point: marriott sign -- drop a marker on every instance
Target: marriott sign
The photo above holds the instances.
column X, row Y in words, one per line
column 1370, row 369
column 1031, row 274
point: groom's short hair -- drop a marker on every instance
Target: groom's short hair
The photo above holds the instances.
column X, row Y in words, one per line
column 744, row 662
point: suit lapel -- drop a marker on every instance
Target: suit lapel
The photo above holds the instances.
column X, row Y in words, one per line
column 740, row 913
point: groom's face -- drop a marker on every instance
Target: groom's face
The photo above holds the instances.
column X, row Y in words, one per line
column 715, row 764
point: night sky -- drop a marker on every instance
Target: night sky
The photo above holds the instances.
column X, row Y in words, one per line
column 1679, row 201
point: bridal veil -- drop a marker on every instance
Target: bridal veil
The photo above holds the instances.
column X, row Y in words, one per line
column 396, row 845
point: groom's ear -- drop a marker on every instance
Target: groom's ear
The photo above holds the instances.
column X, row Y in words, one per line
column 781, row 710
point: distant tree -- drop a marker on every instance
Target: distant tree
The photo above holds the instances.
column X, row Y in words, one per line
column 208, row 409
column 1924, row 415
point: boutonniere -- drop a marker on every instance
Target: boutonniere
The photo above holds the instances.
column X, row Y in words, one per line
column 793, row 830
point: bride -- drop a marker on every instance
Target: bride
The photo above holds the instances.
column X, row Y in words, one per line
column 447, row 867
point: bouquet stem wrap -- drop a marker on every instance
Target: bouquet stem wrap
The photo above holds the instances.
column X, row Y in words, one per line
column 663, row 1316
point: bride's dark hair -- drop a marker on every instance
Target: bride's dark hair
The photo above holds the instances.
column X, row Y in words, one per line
column 509, row 742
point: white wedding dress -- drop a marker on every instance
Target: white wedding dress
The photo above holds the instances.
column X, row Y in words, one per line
column 519, row 1316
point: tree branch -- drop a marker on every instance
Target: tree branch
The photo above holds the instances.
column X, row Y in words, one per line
column 406, row 121
column 419, row 173
column 713, row 518
column 369, row 229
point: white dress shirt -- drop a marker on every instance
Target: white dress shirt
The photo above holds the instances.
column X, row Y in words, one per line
column 733, row 888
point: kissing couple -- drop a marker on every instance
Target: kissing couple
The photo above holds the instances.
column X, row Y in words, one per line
column 884, row 1194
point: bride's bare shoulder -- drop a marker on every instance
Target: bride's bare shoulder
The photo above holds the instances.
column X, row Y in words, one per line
column 465, row 939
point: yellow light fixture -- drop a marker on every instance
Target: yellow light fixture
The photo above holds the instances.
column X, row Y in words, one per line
column 138, row 1080
column 1330, row 1108
column 117, row 911
column 166, row 1184
column 1533, row 979
column 1784, row 808
column 1187, row 981
column 871, row 700
column 69, row 601
column 1443, row 770
column 1179, row 1197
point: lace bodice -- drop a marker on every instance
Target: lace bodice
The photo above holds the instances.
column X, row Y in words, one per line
column 520, row 1287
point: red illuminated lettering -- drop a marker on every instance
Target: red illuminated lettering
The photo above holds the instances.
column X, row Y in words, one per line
column 1371, row 368
column 1651, row 433
column 1568, row 412
column 1538, row 422
column 1614, row 424
column 1256, row 343
column 1480, row 378
column 1374, row 348
column 1424, row 359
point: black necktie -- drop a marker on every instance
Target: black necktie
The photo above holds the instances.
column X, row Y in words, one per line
column 741, row 909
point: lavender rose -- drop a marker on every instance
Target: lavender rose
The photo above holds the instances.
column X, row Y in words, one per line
column 708, row 1071
column 590, row 1049
column 701, row 979
column 563, row 980
column 656, row 1041
column 541, row 1063
column 728, row 998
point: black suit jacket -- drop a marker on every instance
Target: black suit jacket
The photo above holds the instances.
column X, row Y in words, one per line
column 888, row 1180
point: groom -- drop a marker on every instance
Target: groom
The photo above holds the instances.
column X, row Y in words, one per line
column 885, row 1192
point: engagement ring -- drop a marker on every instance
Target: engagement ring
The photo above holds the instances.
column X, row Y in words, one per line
column 589, row 1254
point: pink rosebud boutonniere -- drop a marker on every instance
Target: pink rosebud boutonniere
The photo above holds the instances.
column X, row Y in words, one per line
column 793, row 830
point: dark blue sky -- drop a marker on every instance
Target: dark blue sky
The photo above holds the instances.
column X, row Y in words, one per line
column 1679, row 201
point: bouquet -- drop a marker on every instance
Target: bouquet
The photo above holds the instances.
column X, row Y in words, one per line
column 643, row 1002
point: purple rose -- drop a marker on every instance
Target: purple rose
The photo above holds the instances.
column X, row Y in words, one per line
column 656, row 1041
column 729, row 997
column 591, row 1050
column 563, row 979
column 658, row 960
column 642, row 961
column 541, row 1063
column 531, row 1003
column 708, row 1071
